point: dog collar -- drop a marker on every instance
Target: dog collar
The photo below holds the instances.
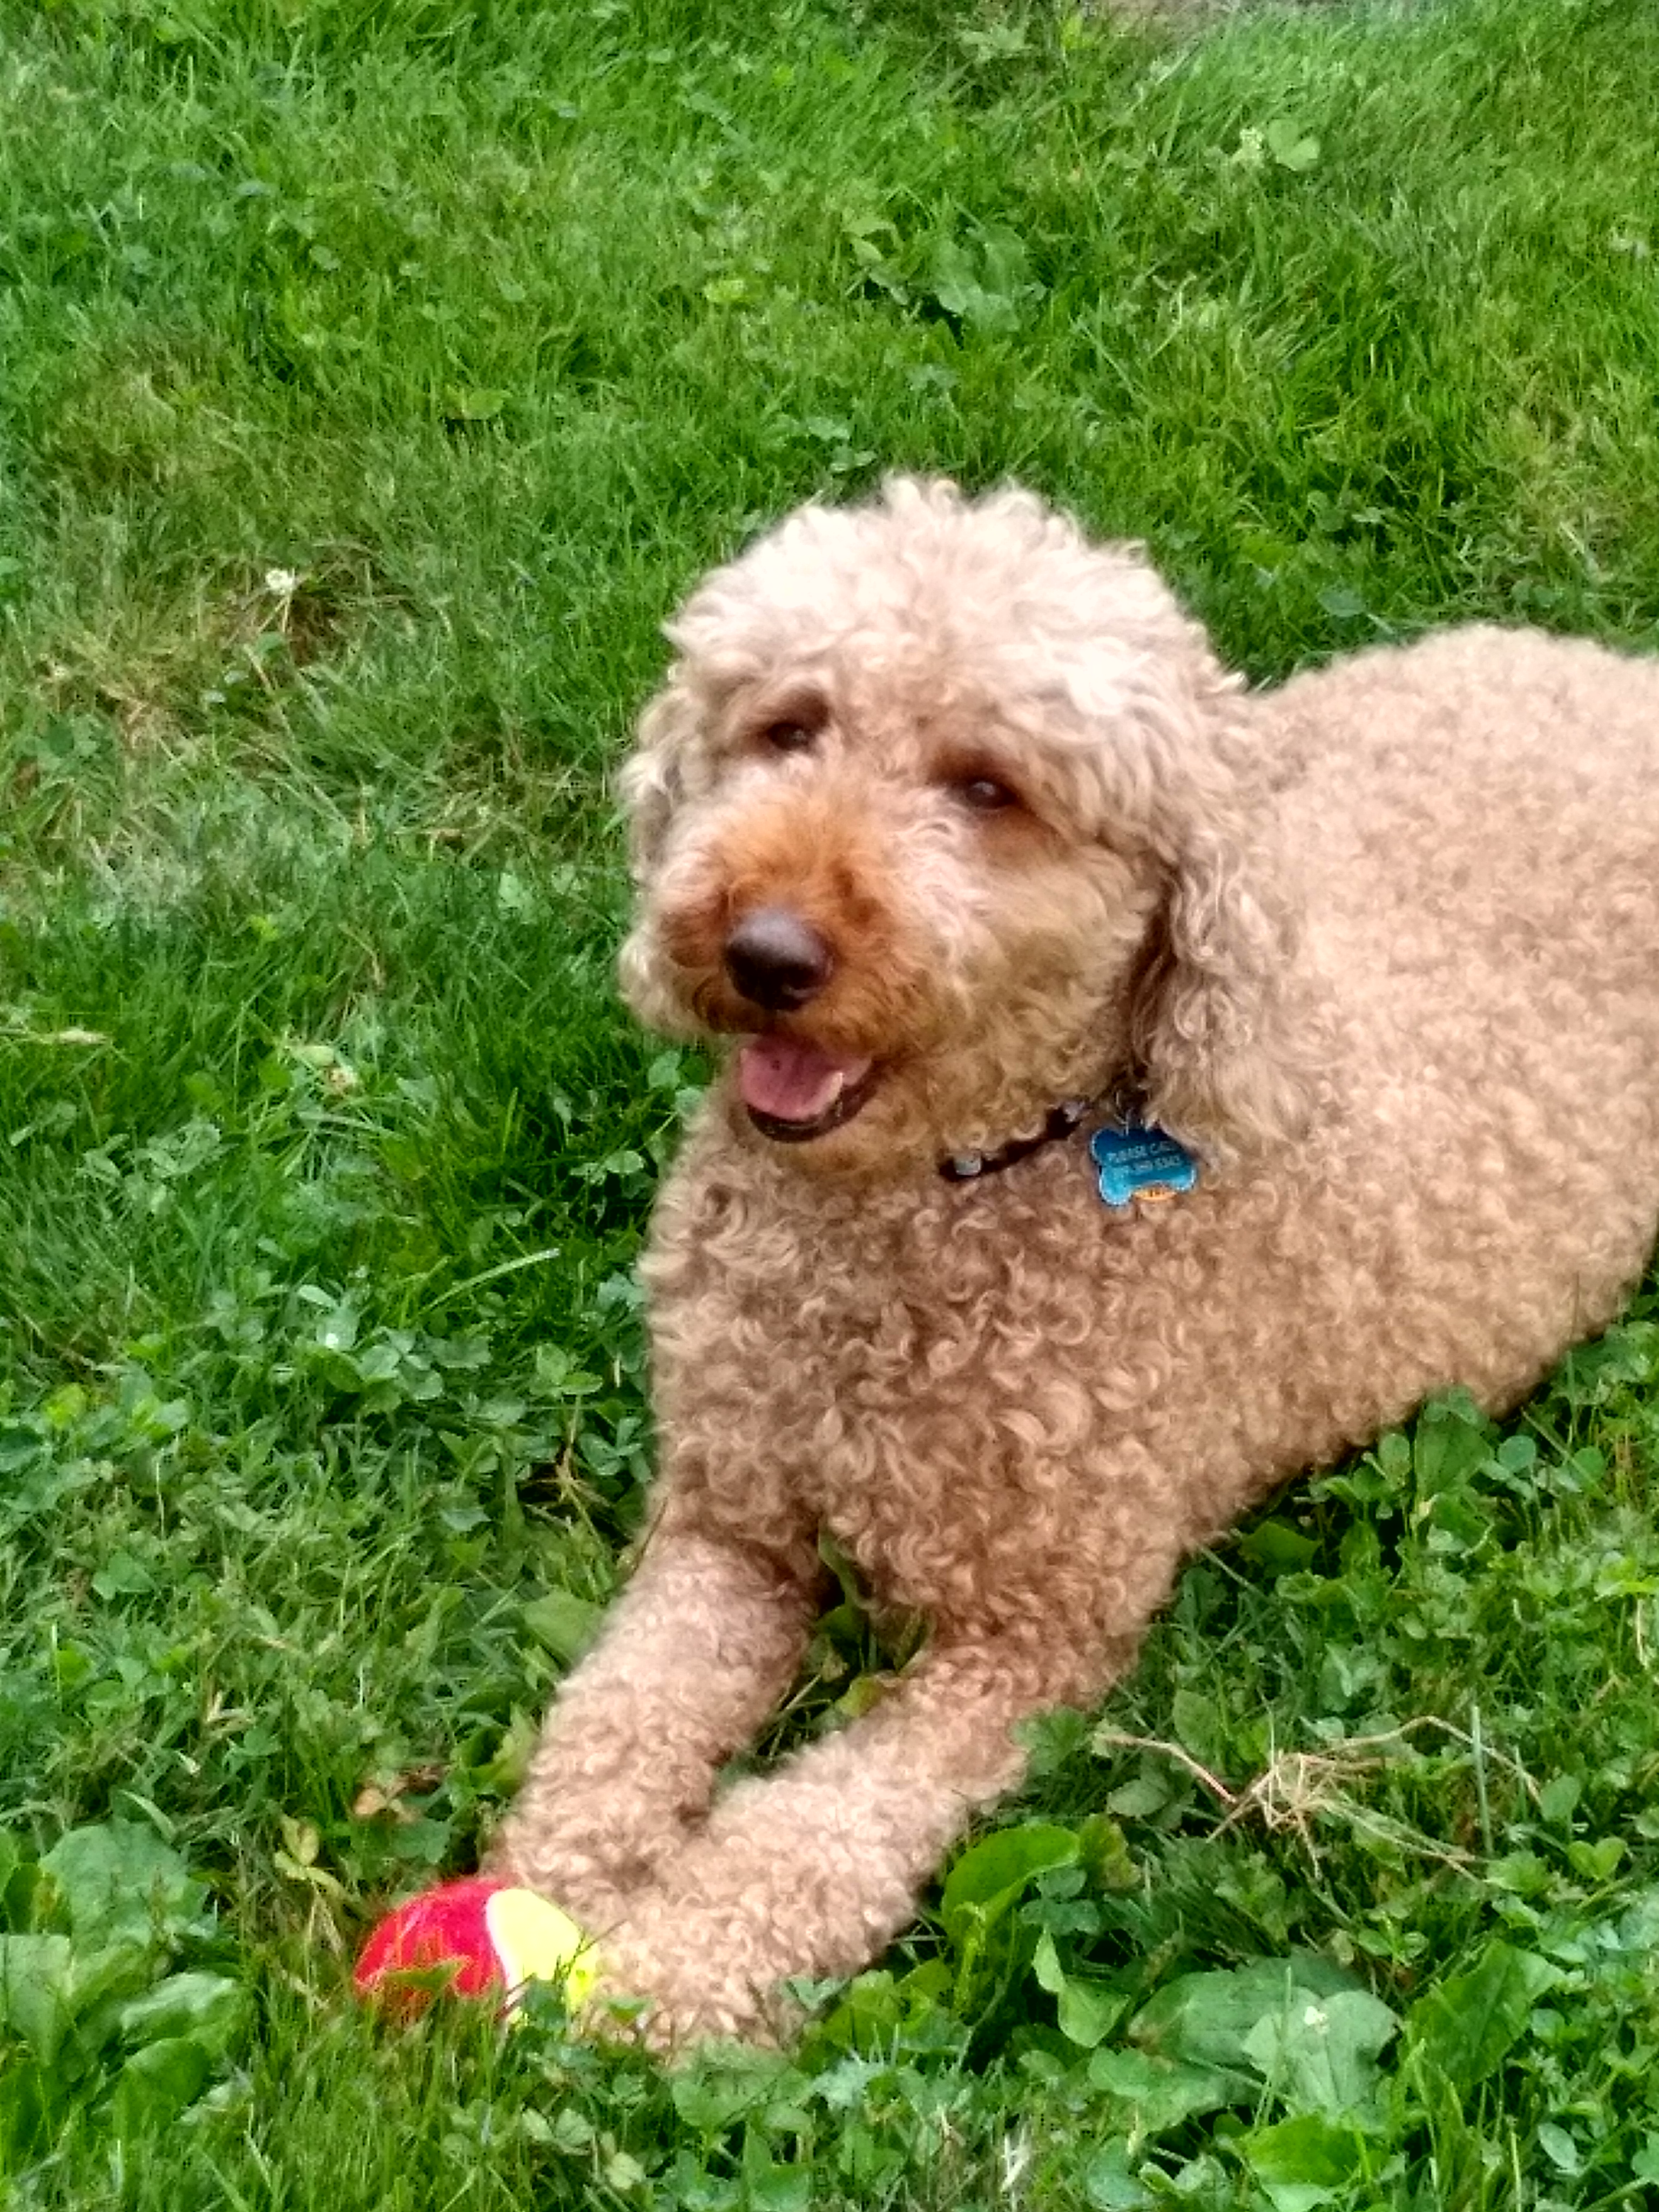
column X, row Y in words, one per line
column 1134, row 1160
column 969, row 1167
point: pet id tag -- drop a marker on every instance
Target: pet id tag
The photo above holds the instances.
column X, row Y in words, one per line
column 1135, row 1162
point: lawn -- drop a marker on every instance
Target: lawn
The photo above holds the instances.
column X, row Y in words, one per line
column 373, row 376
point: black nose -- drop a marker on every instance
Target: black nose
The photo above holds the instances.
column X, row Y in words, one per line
column 777, row 960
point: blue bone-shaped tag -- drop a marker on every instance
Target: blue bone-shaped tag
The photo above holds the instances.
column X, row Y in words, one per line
column 1140, row 1163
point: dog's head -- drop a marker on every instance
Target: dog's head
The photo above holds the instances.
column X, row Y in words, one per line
column 944, row 815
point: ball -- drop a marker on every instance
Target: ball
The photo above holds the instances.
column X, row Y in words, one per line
column 493, row 1936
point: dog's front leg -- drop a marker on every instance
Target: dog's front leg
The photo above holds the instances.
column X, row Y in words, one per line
column 813, row 1869
column 696, row 1653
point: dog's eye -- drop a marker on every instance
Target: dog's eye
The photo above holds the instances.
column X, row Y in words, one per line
column 788, row 737
column 983, row 794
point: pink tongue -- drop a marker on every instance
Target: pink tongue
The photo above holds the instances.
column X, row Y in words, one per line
column 791, row 1081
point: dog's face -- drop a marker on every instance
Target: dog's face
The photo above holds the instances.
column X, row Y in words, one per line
column 903, row 824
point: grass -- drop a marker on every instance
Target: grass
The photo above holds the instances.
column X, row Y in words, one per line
column 377, row 372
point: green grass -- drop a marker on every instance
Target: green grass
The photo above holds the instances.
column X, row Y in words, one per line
column 376, row 373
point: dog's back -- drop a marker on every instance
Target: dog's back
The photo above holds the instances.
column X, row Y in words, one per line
column 1485, row 798
column 1477, row 827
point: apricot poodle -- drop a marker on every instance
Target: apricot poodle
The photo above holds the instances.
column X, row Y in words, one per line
column 999, row 896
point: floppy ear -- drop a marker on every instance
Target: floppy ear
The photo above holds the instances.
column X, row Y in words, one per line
column 1220, row 1062
column 1226, row 1061
column 651, row 781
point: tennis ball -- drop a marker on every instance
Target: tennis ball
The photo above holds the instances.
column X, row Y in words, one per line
column 493, row 1935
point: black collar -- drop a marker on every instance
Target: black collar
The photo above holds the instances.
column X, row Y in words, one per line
column 969, row 1167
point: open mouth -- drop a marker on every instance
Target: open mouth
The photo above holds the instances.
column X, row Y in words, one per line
column 794, row 1090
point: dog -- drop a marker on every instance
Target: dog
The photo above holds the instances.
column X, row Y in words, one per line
column 1133, row 1089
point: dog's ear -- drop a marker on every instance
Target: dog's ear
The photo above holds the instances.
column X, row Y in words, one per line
column 651, row 781
column 1221, row 1064
column 1225, row 1062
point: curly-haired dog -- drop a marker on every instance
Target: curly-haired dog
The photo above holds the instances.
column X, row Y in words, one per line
column 947, row 821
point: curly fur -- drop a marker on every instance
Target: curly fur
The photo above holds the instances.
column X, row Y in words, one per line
column 1381, row 946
